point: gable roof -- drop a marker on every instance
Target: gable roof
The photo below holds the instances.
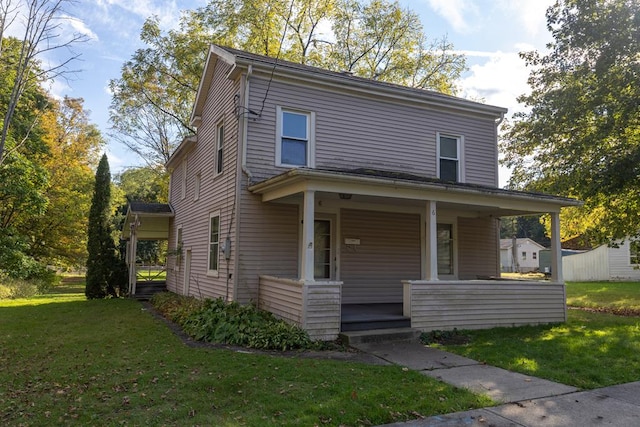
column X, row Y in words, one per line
column 308, row 75
column 508, row 243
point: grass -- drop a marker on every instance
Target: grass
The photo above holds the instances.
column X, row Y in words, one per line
column 66, row 360
column 608, row 295
column 590, row 350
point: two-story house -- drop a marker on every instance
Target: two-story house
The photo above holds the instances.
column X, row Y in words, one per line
column 317, row 194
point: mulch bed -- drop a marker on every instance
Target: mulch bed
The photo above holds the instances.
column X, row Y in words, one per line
column 629, row 312
column 349, row 354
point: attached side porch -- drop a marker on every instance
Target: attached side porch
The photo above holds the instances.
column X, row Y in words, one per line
column 410, row 249
column 145, row 221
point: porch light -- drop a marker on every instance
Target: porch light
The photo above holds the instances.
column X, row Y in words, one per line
column 345, row 196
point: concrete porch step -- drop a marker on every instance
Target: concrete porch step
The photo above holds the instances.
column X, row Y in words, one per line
column 380, row 335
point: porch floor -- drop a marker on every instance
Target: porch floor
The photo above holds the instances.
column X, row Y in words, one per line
column 359, row 317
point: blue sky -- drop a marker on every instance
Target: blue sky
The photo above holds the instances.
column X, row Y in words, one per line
column 489, row 32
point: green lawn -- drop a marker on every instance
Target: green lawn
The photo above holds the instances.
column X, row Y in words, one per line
column 66, row 360
column 613, row 295
column 591, row 350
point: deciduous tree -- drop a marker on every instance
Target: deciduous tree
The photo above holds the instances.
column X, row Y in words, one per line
column 580, row 135
column 41, row 22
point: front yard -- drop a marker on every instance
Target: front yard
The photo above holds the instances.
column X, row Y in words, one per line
column 66, row 360
column 591, row 350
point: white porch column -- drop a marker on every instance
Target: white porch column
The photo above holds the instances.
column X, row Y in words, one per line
column 556, row 249
column 307, row 250
column 431, row 239
column 133, row 247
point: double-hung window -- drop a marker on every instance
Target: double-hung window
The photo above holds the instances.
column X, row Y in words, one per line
column 214, row 242
column 294, row 138
column 449, row 158
column 219, row 147
column 634, row 252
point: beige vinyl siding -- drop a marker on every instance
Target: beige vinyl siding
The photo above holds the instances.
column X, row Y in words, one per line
column 389, row 252
column 354, row 131
column 478, row 248
column 313, row 306
column 322, row 301
column 269, row 239
column 478, row 305
column 217, row 193
column 282, row 297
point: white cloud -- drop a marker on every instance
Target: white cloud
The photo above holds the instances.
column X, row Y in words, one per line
column 499, row 80
column 79, row 27
column 453, row 11
column 531, row 14
column 168, row 12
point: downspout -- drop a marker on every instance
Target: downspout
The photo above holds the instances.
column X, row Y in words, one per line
column 244, row 169
column 498, row 122
column 245, row 125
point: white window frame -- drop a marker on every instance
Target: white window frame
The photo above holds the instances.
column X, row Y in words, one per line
column 311, row 125
column 454, row 248
column 196, row 186
column 210, row 272
column 219, row 153
column 460, row 151
column 634, row 252
column 183, row 183
column 179, row 246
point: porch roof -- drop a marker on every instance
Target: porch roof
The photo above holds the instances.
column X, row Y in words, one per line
column 370, row 185
column 150, row 221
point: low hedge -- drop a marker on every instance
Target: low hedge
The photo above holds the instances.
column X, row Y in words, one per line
column 217, row 321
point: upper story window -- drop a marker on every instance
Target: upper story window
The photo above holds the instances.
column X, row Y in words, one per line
column 450, row 166
column 219, row 147
column 295, row 141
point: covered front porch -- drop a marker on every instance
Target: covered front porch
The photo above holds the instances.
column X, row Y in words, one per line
column 427, row 247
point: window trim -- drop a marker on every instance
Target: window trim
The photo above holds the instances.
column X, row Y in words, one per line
column 311, row 125
column 213, row 273
column 634, row 252
column 460, row 151
column 183, row 182
column 196, row 186
column 219, row 152
column 179, row 246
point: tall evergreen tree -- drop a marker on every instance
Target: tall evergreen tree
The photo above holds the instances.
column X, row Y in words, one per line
column 102, row 260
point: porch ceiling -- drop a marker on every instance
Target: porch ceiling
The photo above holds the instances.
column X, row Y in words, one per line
column 150, row 220
column 381, row 187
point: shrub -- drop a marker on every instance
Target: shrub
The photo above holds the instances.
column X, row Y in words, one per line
column 216, row 321
column 38, row 283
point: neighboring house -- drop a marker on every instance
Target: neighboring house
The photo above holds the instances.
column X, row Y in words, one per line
column 527, row 257
column 619, row 262
column 315, row 193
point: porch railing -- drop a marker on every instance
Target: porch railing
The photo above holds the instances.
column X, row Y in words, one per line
column 479, row 304
column 313, row 305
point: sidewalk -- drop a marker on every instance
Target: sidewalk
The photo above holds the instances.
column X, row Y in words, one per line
column 526, row 400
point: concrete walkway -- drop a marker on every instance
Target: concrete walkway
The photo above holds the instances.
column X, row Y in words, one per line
column 526, row 400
